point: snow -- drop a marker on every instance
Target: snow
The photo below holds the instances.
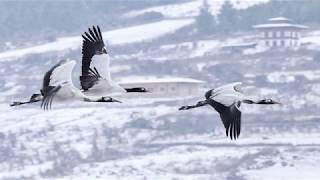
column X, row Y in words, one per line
column 145, row 32
column 205, row 46
column 214, row 46
column 311, row 39
column 187, row 9
column 279, row 19
column 191, row 9
column 172, row 163
column 267, row 91
column 156, row 141
column 256, row 50
column 28, row 171
column 193, row 49
column 280, row 25
column 150, row 154
column 282, row 173
column 119, row 68
column 290, row 76
column 291, row 166
column 152, row 79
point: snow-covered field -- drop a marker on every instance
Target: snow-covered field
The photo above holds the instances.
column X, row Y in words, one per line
column 139, row 142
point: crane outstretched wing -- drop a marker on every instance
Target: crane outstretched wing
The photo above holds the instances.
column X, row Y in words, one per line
column 48, row 95
column 231, row 119
column 227, row 105
column 95, row 60
column 226, row 94
column 59, row 75
column 232, row 88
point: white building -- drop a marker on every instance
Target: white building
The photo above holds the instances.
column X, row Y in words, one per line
column 279, row 32
column 165, row 87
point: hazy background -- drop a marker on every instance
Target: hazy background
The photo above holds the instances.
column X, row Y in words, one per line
column 149, row 138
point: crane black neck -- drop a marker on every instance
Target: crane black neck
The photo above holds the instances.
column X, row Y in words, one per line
column 136, row 89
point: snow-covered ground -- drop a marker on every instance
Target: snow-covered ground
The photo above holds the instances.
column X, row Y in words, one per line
column 156, row 150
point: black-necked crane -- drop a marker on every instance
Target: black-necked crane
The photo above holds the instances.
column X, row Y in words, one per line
column 95, row 76
column 226, row 100
column 58, row 86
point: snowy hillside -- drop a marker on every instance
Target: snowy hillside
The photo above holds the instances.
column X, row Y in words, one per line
column 145, row 32
column 191, row 9
column 148, row 138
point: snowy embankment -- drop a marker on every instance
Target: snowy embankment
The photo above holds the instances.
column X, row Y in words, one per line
column 191, row 49
column 191, row 9
column 311, row 39
column 133, row 34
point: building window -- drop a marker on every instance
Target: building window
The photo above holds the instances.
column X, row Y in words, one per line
column 274, row 43
column 293, row 34
column 278, row 34
column 288, row 33
column 267, row 43
column 173, row 88
column 265, row 34
column 283, row 43
column 161, row 89
column 270, row 34
column 279, row 43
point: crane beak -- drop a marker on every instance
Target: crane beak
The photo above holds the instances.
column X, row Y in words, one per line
column 16, row 103
column 115, row 100
column 275, row 102
column 144, row 90
column 104, row 51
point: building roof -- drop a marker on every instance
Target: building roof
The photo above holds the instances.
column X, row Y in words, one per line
column 280, row 19
column 147, row 80
column 282, row 25
column 279, row 22
column 240, row 45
